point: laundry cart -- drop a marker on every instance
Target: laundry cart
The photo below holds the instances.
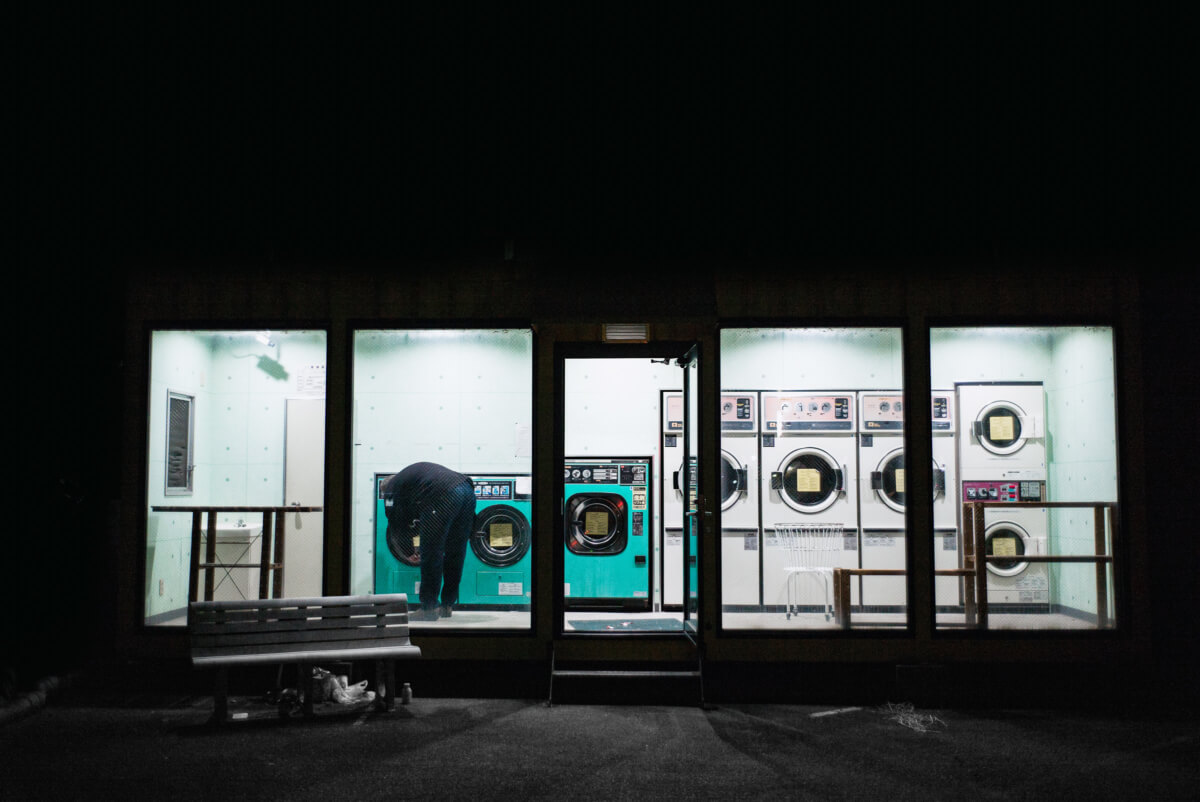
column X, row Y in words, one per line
column 813, row 550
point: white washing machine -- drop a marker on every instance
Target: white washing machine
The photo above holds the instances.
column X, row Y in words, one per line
column 1001, row 430
column 883, row 496
column 740, row 540
column 1014, row 585
column 809, row 476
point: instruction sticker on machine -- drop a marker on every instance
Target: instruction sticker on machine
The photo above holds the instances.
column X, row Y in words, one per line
column 500, row 536
column 900, row 480
column 1004, row 547
column 808, row 480
column 511, row 589
column 596, row 523
column 1000, row 427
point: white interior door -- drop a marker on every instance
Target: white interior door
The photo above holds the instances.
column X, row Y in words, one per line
column 304, row 485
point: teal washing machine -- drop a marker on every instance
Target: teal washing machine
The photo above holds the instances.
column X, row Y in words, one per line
column 498, row 564
column 607, row 520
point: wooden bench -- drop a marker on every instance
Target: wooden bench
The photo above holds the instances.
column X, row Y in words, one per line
column 302, row 632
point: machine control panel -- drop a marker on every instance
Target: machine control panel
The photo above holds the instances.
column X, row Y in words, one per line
column 1004, row 491
column 614, row 474
column 883, row 412
column 737, row 413
column 808, row 413
column 493, row 489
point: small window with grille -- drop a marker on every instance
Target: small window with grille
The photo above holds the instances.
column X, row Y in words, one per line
column 180, row 420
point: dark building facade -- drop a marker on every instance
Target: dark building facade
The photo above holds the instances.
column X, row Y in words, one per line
column 737, row 187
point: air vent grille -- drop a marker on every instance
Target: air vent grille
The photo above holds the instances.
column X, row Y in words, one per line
column 626, row 333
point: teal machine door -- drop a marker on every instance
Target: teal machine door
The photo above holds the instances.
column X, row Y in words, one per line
column 397, row 567
column 498, row 565
column 606, row 562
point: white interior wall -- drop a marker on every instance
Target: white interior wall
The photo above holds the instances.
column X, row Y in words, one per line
column 1082, row 452
column 238, row 435
column 463, row 399
column 811, row 359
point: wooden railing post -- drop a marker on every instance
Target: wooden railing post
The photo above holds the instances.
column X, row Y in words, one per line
column 264, row 571
column 194, row 568
column 981, row 600
column 1098, row 514
column 280, row 520
column 210, row 555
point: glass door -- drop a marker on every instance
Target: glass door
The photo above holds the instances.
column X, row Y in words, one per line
column 694, row 506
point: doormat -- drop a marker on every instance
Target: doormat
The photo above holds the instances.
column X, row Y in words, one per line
column 628, row 625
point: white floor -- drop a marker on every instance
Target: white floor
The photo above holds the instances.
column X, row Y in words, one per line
column 521, row 620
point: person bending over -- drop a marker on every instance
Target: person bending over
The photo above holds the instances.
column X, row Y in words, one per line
column 430, row 511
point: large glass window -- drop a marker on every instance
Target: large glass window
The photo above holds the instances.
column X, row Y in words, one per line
column 813, row 506
column 1035, row 489
column 460, row 399
column 236, row 432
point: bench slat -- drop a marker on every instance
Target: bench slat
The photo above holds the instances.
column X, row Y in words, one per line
column 305, row 601
column 304, row 656
column 253, row 613
column 300, row 625
column 237, row 639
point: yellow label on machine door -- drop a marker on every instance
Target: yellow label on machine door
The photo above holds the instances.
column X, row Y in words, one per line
column 596, row 523
column 416, row 541
column 900, row 480
column 500, row 536
column 1004, row 547
column 808, row 480
column 1000, row 427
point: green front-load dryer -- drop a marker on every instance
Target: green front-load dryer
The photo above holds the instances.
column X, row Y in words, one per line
column 606, row 515
column 499, row 564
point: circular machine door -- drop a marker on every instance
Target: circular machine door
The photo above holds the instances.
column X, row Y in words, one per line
column 733, row 480
column 1006, row 538
column 812, row 480
column 998, row 428
column 889, row 482
column 400, row 544
column 597, row 523
column 501, row 535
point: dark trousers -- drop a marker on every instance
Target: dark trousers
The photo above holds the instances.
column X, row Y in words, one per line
column 445, row 530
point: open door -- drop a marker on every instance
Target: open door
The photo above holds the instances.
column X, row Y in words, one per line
column 693, row 507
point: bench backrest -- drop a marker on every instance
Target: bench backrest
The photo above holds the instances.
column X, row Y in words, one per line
column 282, row 626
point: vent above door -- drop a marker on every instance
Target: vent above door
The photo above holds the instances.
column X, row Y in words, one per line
column 626, row 332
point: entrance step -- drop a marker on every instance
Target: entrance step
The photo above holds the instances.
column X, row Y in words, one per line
column 626, row 682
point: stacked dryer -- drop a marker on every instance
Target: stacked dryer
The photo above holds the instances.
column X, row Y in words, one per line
column 1002, row 458
column 809, row 476
column 883, row 492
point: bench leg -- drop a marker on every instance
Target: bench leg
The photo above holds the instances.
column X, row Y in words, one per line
column 221, row 695
column 305, row 684
column 385, row 685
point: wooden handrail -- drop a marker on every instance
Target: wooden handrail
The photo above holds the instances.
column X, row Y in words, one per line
column 975, row 593
column 975, row 550
column 270, row 565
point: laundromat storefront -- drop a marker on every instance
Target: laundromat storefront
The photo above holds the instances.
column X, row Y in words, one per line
column 814, row 511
